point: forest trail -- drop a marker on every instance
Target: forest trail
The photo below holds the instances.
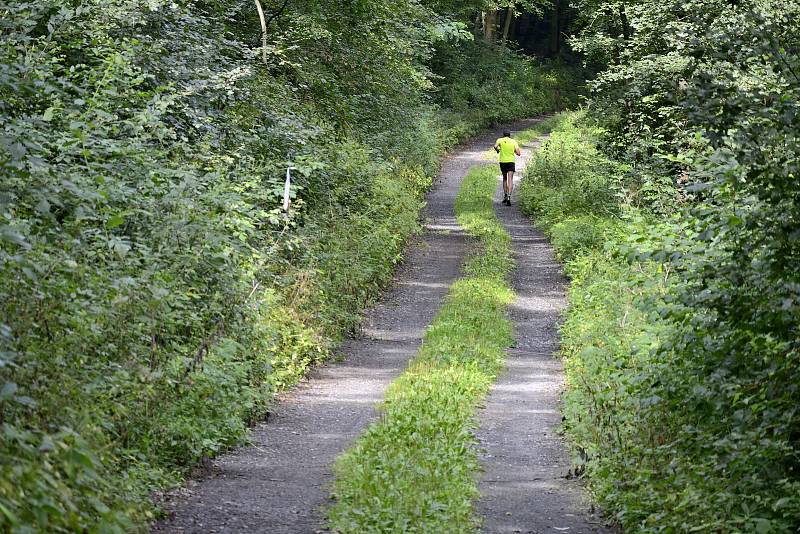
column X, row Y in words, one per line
column 280, row 483
column 524, row 487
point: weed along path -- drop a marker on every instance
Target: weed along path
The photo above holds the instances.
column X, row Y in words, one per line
column 524, row 487
column 281, row 483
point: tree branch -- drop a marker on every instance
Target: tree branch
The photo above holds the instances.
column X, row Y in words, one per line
column 277, row 13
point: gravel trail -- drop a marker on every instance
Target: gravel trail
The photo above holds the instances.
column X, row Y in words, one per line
column 280, row 483
column 524, row 487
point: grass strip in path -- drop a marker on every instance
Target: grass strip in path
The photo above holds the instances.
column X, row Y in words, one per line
column 414, row 469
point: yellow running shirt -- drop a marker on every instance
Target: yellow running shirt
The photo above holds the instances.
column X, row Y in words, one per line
column 507, row 148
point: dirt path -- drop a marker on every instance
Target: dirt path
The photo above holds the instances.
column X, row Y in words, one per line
column 524, row 488
column 280, row 483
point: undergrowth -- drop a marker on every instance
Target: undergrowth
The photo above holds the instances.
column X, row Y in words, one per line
column 667, row 445
column 414, row 470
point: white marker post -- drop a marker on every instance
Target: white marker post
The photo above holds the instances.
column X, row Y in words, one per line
column 287, row 188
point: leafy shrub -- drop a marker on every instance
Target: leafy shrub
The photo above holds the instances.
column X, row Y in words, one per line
column 567, row 176
column 681, row 401
column 499, row 85
column 577, row 235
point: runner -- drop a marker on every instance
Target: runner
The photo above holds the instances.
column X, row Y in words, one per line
column 507, row 148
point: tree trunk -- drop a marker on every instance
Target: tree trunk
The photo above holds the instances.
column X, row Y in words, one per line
column 623, row 17
column 263, row 32
column 563, row 27
column 489, row 23
column 507, row 23
column 512, row 34
column 555, row 27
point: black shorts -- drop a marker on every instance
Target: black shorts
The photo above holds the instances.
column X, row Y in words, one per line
column 506, row 167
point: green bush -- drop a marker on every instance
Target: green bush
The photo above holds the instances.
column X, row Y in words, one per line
column 569, row 189
column 498, row 85
column 682, row 420
column 574, row 236
column 568, row 177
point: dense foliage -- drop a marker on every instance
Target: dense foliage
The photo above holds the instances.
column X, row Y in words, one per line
column 657, row 459
column 154, row 293
column 684, row 361
column 427, row 420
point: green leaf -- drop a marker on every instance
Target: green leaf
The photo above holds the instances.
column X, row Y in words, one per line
column 8, row 390
column 9, row 515
column 763, row 526
column 26, row 401
column 115, row 221
column 43, row 207
column 10, row 235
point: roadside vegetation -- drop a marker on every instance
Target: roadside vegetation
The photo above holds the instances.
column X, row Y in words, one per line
column 684, row 360
column 677, row 227
column 155, row 295
column 414, row 470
